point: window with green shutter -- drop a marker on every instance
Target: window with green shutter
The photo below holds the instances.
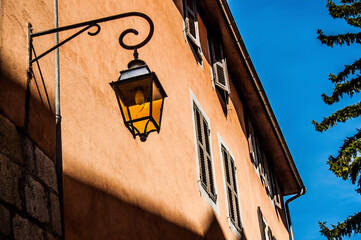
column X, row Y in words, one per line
column 265, row 229
column 191, row 22
column 204, row 153
column 219, row 64
column 253, row 146
column 262, row 224
column 191, row 27
column 263, row 167
column 231, row 189
column 219, row 70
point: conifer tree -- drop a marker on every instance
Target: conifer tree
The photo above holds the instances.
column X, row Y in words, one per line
column 347, row 163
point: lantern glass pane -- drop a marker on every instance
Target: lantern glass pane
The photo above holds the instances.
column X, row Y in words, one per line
column 124, row 110
column 151, row 127
column 157, row 106
column 135, row 72
column 140, row 126
column 156, row 93
column 126, row 90
column 144, row 126
column 139, row 111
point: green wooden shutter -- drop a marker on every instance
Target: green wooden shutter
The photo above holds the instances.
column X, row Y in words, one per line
column 210, row 180
column 269, row 232
column 267, row 177
column 276, row 194
column 231, row 185
column 262, row 224
column 204, row 153
column 200, row 143
column 220, row 73
column 191, row 23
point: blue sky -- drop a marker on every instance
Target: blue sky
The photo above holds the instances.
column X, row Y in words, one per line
column 293, row 66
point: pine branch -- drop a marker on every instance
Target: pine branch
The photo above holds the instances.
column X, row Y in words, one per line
column 350, row 88
column 339, row 39
column 355, row 169
column 349, row 69
column 347, row 163
column 351, row 225
column 349, row 142
column 354, row 21
column 358, row 190
column 348, row 1
column 347, row 168
column 352, row 9
column 342, row 115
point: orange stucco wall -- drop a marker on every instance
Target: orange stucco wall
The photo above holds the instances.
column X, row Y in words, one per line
column 116, row 187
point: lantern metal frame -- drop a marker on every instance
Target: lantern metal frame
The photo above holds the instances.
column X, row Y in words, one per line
column 152, row 78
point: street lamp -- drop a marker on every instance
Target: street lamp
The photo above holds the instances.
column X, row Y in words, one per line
column 141, row 97
column 139, row 92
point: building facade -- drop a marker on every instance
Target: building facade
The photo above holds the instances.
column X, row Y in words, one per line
column 218, row 169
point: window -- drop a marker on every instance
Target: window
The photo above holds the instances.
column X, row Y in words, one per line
column 263, row 167
column 231, row 189
column 191, row 28
column 266, row 232
column 219, row 70
column 206, row 173
column 277, row 197
column 252, row 143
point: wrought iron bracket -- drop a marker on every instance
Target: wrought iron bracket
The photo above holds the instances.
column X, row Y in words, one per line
column 86, row 26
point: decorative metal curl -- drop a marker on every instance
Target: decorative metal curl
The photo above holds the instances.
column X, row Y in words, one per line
column 122, row 35
column 97, row 31
column 135, row 32
column 87, row 25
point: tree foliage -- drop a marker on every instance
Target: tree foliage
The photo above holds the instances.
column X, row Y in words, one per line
column 347, row 164
column 351, row 225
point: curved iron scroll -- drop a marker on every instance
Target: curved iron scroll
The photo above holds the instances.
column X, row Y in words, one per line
column 89, row 24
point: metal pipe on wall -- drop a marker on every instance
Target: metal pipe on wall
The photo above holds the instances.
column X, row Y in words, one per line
column 59, row 154
column 290, row 229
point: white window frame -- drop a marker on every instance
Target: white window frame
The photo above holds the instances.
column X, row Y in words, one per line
column 195, row 46
column 221, row 143
column 252, row 145
column 194, row 11
column 265, row 230
column 214, row 62
column 203, row 193
column 263, row 170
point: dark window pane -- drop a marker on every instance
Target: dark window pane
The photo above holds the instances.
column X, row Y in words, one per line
column 221, row 74
column 231, row 206
column 210, row 174
column 233, row 169
column 198, row 126
column 202, row 166
column 225, row 157
column 237, row 214
column 192, row 26
column 206, row 136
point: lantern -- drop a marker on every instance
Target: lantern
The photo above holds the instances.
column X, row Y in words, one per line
column 141, row 98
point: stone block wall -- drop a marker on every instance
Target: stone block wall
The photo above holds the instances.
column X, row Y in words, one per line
column 29, row 202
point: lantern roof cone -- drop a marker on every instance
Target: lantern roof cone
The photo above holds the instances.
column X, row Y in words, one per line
column 136, row 62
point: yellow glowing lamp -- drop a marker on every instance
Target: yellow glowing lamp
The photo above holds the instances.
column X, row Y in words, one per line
column 141, row 98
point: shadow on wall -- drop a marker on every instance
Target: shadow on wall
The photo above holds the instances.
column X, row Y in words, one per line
column 97, row 215
column 28, row 106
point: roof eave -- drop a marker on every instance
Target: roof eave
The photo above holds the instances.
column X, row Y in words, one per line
column 238, row 41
